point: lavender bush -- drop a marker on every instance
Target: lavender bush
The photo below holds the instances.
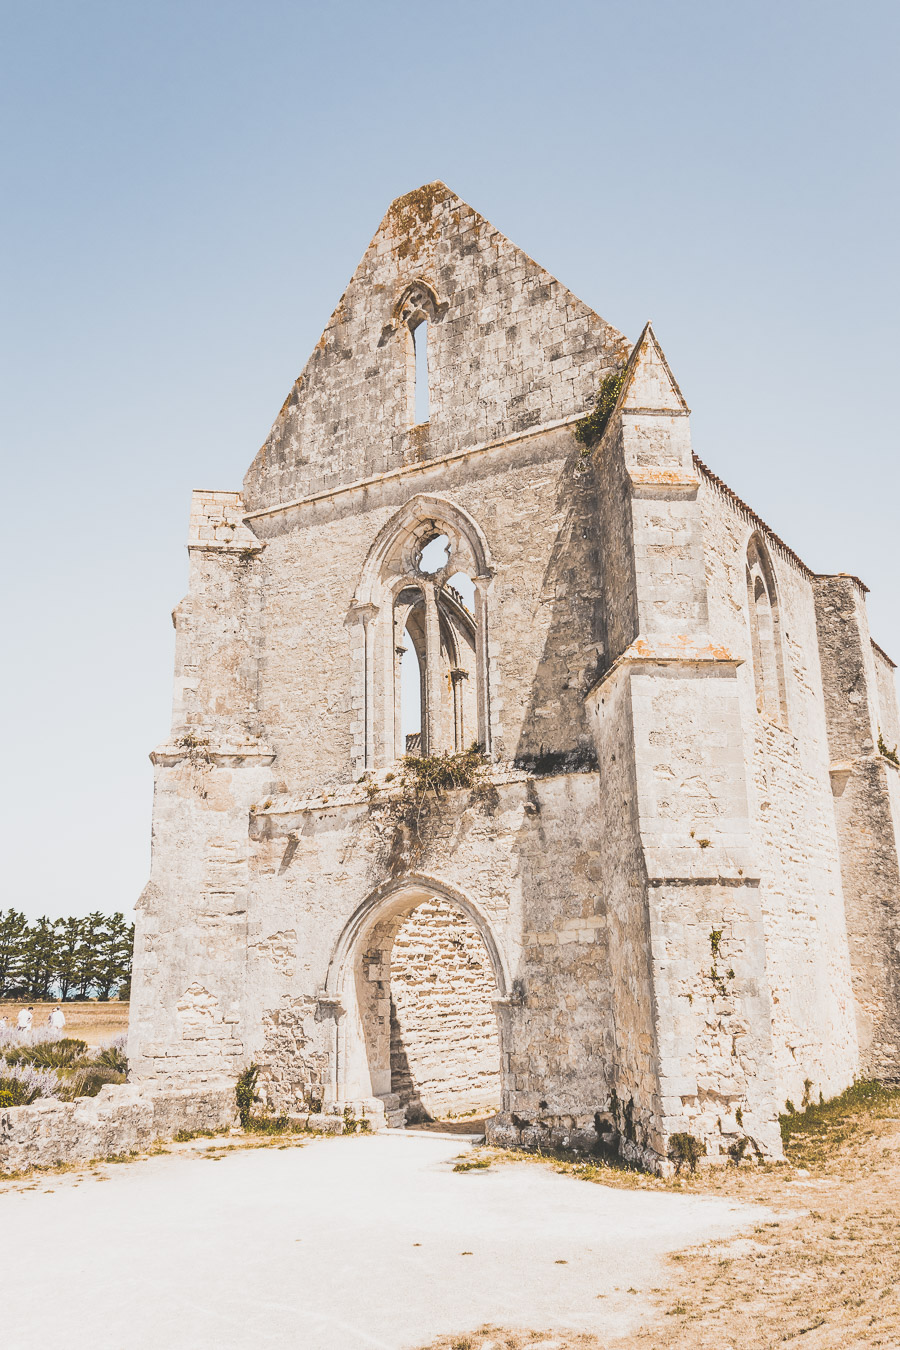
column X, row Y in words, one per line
column 72, row 1072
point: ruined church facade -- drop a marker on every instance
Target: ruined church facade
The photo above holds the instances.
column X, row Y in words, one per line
column 663, row 896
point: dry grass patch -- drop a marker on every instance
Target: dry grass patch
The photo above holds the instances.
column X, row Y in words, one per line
column 495, row 1338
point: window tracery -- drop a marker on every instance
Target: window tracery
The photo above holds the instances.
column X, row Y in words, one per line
column 423, row 603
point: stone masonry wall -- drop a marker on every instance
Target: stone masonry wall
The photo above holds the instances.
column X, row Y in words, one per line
column 866, row 786
column 509, row 348
column 526, row 855
column 445, row 1052
column 544, row 607
column 636, row 802
column 792, row 814
column 120, row 1119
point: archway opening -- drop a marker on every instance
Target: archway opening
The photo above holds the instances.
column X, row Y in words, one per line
column 445, row 1051
column 426, row 988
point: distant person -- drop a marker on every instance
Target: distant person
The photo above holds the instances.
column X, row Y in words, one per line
column 57, row 1019
column 25, row 1019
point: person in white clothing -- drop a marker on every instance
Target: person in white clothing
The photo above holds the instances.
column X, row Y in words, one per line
column 25, row 1019
column 57, row 1019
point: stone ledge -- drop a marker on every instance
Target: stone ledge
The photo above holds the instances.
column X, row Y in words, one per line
column 227, row 754
column 359, row 794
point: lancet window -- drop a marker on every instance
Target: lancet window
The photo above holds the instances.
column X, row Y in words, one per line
column 415, row 314
column 765, row 633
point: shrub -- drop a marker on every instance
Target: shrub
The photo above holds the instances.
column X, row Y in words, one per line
column 14, row 1092
column 86, row 1080
column 26, row 1083
column 113, row 1057
column 686, row 1151
column 61, row 1054
column 437, row 774
column 245, row 1092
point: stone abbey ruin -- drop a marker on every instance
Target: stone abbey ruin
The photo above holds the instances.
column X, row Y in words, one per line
column 662, row 895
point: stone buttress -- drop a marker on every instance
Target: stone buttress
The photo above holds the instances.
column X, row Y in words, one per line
column 670, row 743
column 863, row 734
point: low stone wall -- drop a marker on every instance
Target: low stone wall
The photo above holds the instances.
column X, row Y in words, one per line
column 120, row 1119
column 599, row 1138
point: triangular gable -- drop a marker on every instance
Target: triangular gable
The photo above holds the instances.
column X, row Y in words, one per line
column 509, row 348
column 649, row 383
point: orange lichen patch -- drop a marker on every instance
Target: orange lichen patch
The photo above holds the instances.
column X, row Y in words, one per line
column 676, row 648
column 663, row 478
column 413, row 217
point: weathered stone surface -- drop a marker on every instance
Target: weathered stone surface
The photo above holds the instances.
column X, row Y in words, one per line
column 445, row 1053
column 120, row 1119
column 657, row 863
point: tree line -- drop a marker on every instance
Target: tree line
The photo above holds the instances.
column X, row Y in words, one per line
column 54, row 960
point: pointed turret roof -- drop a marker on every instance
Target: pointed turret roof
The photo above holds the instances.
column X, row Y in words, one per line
column 649, row 383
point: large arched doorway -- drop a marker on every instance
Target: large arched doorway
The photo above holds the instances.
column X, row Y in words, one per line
column 420, row 986
column 445, row 1047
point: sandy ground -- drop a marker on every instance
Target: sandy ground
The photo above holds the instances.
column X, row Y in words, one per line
column 337, row 1245
column 821, row 1273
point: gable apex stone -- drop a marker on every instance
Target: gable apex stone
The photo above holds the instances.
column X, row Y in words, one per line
column 650, row 385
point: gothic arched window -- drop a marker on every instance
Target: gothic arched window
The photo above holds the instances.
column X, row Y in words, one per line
column 422, row 605
column 765, row 633
column 415, row 313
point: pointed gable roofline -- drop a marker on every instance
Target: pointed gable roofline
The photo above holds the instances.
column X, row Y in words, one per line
column 648, row 385
column 510, row 348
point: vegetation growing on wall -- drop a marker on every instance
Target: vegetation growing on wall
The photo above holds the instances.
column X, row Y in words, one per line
column 591, row 428
column 884, row 749
column 413, row 799
column 64, row 959
column 424, row 780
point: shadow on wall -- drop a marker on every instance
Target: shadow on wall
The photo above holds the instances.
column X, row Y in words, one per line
column 403, row 1080
column 555, row 736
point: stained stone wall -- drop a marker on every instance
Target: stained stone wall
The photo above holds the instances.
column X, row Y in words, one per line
column 509, row 349
column 859, row 700
column 791, row 809
column 688, row 903
column 445, row 1052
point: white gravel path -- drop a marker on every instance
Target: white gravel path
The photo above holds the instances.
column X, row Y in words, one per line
column 346, row 1244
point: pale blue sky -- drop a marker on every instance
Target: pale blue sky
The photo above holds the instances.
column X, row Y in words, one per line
column 187, row 188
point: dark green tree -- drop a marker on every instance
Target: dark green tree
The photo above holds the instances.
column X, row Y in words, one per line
column 39, row 960
column 68, row 942
column 13, row 933
column 93, row 935
column 113, row 965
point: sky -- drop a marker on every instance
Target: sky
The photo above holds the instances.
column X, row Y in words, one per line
column 187, row 188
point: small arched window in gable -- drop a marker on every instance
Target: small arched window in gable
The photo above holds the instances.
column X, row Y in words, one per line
column 422, row 397
column 765, row 633
column 415, row 314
